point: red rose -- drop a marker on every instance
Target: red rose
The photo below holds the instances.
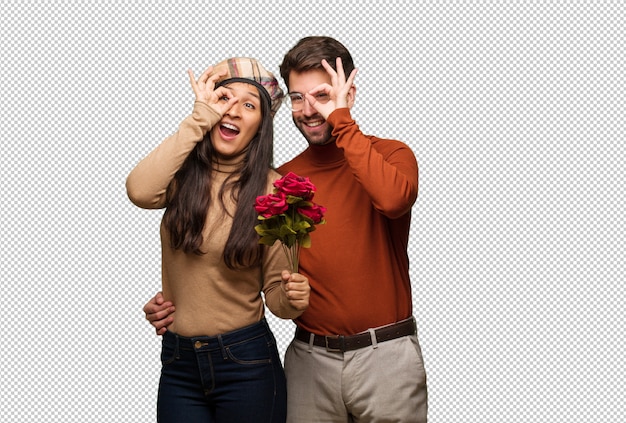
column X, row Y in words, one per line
column 288, row 215
column 314, row 212
column 271, row 205
column 298, row 186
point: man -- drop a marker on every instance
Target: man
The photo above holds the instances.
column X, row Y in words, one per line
column 355, row 355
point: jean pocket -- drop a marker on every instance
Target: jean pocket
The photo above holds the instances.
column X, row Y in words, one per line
column 255, row 351
column 168, row 352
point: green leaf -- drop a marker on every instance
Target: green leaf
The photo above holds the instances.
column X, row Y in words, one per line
column 301, row 226
column 260, row 229
column 286, row 230
column 268, row 240
column 305, row 241
column 289, row 240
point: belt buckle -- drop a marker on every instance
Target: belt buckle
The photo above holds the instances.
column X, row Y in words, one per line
column 342, row 345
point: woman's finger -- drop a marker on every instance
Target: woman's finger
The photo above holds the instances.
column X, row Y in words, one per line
column 192, row 80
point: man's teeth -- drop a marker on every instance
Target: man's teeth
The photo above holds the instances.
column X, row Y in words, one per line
column 314, row 124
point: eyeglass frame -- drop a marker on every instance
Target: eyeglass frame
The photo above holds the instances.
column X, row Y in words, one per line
column 289, row 101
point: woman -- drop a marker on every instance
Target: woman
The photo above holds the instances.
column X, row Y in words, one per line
column 219, row 359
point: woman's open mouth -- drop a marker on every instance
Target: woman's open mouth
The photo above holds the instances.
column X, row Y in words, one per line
column 229, row 131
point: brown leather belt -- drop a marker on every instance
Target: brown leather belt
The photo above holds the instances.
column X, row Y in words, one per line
column 341, row 343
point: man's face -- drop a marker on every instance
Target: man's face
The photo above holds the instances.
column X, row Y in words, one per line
column 310, row 123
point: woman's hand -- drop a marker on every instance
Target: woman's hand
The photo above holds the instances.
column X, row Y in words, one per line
column 220, row 99
column 297, row 290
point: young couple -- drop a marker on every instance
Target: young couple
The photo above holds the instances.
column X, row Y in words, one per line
column 355, row 354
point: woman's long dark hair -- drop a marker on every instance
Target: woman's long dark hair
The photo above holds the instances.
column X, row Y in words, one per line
column 189, row 196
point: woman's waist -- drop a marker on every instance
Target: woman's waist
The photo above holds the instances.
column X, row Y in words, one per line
column 246, row 333
column 209, row 320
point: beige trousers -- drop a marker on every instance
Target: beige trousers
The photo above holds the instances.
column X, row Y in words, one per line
column 376, row 384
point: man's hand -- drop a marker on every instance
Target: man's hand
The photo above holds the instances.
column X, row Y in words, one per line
column 297, row 290
column 159, row 313
column 340, row 91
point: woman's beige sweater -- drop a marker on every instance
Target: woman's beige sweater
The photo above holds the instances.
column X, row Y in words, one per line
column 210, row 298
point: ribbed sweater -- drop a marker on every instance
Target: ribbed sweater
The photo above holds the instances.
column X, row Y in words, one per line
column 358, row 266
column 209, row 297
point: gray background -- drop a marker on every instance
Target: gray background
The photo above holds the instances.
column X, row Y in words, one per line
column 515, row 111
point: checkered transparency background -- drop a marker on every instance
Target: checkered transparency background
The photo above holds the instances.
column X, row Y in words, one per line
column 515, row 111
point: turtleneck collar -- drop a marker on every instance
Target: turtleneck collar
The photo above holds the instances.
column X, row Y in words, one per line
column 325, row 154
column 229, row 164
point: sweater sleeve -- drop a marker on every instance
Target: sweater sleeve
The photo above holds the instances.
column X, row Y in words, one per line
column 388, row 172
column 274, row 263
column 148, row 181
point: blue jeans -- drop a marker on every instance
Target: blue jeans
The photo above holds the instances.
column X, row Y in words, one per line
column 232, row 377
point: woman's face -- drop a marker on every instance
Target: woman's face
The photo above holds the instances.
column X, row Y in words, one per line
column 240, row 123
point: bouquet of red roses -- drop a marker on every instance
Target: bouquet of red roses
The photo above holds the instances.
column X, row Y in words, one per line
column 289, row 215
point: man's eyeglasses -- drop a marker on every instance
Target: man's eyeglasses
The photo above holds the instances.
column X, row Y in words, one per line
column 296, row 100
